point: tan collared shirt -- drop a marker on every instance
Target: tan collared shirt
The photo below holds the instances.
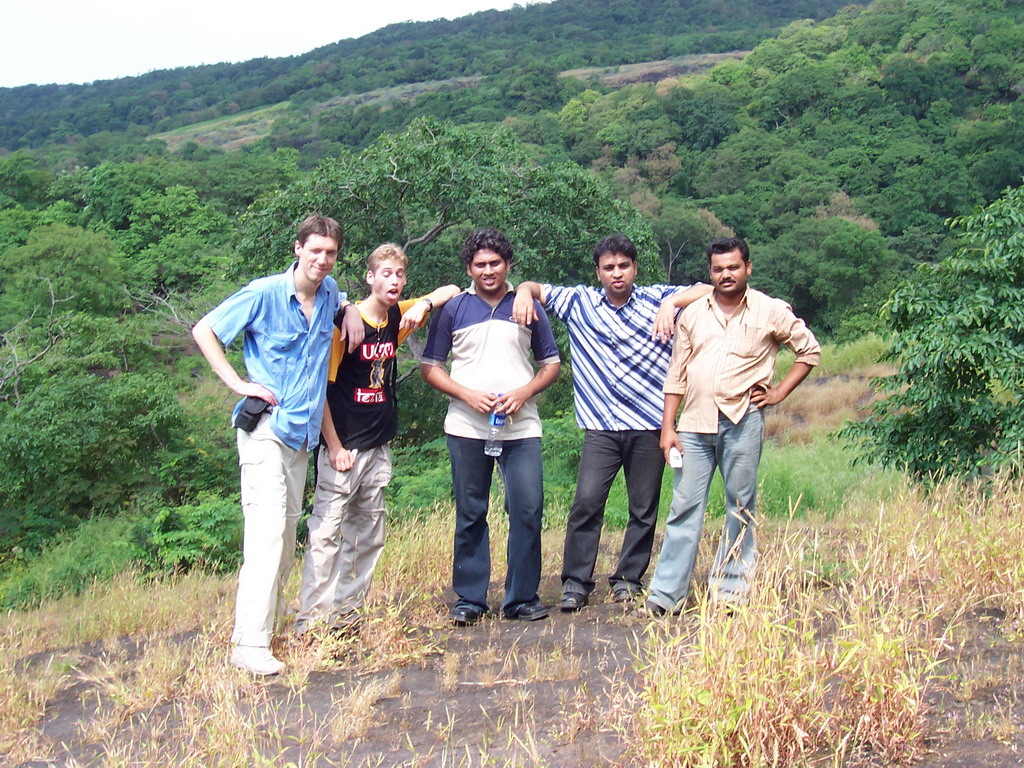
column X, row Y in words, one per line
column 716, row 362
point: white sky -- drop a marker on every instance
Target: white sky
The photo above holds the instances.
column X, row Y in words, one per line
column 78, row 41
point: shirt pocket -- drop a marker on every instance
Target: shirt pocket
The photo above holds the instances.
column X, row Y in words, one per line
column 281, row 351
column 749, row 342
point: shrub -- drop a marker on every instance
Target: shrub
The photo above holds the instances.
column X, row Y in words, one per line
column 95, row 551
column 207, row 533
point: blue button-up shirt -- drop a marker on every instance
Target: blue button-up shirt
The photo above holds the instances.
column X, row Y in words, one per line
column 617, row 368
column 282, row 351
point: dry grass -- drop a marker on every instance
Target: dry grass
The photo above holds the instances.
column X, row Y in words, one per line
column 819, row 407
column 448, row 671
column 355, row 708
column 127, row 606
column 813, row 667
column 832, row 660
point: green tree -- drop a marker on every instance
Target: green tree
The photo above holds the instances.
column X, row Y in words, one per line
column 91, row 418
column 175, row 242
column 954, row 406
column 683, row 232
column 64, row 267
column 21, row 182
column 705, row 116
column 427, row 187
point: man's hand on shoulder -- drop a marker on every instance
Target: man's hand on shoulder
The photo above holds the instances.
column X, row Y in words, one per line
column 415, row 315
column 524, row 311
column 352, row 328
column 664, row 322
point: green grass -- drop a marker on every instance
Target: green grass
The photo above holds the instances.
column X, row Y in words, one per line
column 852, row 358
column 228, row 121
column 815, row 477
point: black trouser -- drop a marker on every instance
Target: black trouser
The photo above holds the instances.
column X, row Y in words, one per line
column 640, row 456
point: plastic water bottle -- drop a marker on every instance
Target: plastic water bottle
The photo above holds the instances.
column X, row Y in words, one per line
column 495, row 434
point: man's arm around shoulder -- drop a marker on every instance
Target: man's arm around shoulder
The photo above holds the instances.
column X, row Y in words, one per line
column 665, row 320
column 523, row 308
column 416, row 315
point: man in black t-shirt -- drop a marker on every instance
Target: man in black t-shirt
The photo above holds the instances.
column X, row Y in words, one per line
column 346, row 527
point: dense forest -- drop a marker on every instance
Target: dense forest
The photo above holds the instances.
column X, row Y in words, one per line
column 838, row 146
column 506, row 48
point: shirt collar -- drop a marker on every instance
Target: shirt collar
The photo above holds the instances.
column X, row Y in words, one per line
column 713, row 305
column 290, row 284
column 603, row 299
column 509, row 288
column 290, row 281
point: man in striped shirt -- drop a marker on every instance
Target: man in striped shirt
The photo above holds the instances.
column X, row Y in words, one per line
column 619, row 340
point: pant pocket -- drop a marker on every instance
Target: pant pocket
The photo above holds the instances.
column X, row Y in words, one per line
column 381, row 474
column 331, row 479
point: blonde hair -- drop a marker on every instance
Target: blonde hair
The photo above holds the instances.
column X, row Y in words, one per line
column 386, row 252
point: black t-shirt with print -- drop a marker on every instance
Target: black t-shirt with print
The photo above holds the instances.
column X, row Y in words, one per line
column 362, row 396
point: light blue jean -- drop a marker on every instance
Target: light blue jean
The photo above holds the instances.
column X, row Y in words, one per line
column 736, row 451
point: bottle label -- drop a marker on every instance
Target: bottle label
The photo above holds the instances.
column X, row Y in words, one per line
column 497, row 419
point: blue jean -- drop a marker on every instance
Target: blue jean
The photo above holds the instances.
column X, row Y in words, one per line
column 736, row 451
column 521, row 473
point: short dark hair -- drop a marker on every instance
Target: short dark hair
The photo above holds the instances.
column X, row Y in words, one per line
column 320, row 225
column 487, row 239
column 728, row 245
column 617, row 243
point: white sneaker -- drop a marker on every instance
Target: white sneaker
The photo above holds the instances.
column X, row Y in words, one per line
column 256, row 659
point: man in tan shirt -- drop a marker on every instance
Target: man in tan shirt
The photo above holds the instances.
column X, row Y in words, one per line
column 723, row 362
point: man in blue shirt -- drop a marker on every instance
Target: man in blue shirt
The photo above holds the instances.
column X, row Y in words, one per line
column 491, row 372
column 286, row 321
column 619, row 340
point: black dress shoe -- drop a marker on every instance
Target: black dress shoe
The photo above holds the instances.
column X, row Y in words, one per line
column 623, row 593
column 529, row 612
column 466, row 615
column 572, row 601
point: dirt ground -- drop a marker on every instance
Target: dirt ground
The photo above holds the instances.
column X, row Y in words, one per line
column 547, row 693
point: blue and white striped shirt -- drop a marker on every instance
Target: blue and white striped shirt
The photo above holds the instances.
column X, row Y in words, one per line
column 618, row 370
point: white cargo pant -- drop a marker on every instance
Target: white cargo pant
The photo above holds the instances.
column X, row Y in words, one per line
column 346, row 535
column 273, row 476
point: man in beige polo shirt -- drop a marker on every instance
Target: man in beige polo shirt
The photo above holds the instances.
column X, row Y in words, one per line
column 723, row 362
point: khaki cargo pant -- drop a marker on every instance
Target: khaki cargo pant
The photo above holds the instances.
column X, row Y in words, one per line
column 346, row 535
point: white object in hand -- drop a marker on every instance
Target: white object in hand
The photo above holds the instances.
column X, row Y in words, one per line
column 675, row 458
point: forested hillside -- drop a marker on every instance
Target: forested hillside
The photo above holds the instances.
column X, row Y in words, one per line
column 507, row 48
column 837, row 147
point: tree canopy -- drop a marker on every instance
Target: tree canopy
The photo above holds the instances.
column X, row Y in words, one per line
column 427, row 187
column 955, row 405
